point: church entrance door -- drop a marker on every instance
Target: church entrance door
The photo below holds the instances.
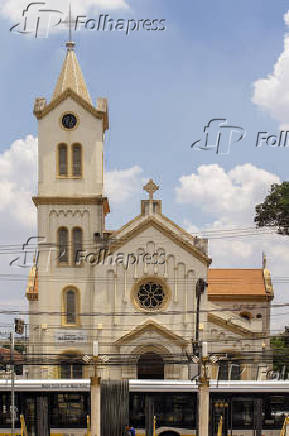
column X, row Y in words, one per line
column 151, row 366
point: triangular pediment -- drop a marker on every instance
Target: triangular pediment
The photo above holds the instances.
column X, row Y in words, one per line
column 151, row 326
column 160, row 223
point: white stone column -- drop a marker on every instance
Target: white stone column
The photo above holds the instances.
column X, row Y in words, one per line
column 203, row 408
column 95, row 405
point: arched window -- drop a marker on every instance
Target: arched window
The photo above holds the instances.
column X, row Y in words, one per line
column 62, row 245
column 62, row 160
column 76, row 244
column 76, row 160
column 70, row 306
column 151, row 366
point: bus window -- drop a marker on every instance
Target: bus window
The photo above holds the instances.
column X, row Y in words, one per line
column 275, row 408
column 242, row 413
column 5, row 416
column 171, row 410
column 68, row 410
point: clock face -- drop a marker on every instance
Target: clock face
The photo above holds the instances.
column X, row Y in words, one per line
column 69, row 121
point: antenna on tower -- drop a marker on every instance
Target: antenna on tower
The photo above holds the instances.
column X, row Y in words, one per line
column 70, row 44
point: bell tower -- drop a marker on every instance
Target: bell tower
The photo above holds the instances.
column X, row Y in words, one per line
column 70, row 203
column 71, row 134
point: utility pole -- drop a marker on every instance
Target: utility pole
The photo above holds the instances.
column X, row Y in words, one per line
column 203, row 383
column 12, row 407
column 95, row 395
column 18, row 328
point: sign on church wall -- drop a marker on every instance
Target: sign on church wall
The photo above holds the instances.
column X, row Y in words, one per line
column 65, row 336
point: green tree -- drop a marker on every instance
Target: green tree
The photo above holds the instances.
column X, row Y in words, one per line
column 280, row 349
column 274, row 211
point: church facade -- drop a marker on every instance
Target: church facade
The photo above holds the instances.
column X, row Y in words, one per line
column 125, row 301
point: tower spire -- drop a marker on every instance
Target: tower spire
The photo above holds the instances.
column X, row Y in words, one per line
column 71, row 76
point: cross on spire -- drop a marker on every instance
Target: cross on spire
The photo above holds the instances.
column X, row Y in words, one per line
column 151, row 188
column 70, row 44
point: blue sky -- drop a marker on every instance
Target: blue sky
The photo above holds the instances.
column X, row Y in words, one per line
column 163, row 87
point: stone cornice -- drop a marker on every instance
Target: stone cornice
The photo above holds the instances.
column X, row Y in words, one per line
column 236, row 297
column 74, row 201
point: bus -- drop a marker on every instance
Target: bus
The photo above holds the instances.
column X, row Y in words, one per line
column 61, row 407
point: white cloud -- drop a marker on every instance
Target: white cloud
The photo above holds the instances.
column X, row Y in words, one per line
column 228, row 199
column 12, row 9
column 229, row 196
column 272, row 93
column 18, row 168
column 120, row 185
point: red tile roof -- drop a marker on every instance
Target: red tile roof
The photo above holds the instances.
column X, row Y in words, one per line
column 233, row 283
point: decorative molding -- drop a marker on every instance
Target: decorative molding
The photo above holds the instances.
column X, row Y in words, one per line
column 73, row 201
column 68, row 212
column 129, row 223
column 176, row 295
column 232, row 327
column 268, row 284
column 41, row 111
column 151, row 325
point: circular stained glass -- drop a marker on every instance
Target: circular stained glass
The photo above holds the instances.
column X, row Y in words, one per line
column 151, row 296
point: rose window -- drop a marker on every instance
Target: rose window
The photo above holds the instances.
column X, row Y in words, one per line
column 151, row 296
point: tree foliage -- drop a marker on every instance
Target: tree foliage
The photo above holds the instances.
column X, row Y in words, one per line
column 274, row 211
column 280, row 349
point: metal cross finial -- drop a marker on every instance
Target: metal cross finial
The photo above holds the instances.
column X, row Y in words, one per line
column 70, row 44
column 151, row 188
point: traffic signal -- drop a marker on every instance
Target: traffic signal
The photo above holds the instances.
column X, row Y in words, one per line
column 201, row 286
column 19, row 326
